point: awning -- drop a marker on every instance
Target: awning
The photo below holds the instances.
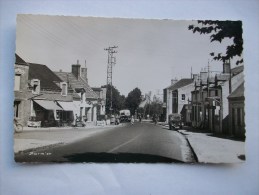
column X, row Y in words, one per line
column 48, row 105
column 67, row 106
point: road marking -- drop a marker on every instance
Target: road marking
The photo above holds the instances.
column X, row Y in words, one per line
column 117, row 147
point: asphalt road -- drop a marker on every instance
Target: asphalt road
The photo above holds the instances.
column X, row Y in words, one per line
column 141, row 142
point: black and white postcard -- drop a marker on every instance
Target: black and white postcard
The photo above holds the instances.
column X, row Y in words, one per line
column 108, row 90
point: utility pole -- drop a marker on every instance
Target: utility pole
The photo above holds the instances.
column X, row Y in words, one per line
column 111, row 61
column 208, row 78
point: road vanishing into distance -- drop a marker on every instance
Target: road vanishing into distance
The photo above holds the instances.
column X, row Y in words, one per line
column 142, row 142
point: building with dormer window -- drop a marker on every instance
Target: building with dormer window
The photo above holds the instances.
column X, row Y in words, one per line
column 49, row 91
column 86, row 107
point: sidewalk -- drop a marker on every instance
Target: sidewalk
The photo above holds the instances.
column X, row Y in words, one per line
column 39, row 137
column 210, row 149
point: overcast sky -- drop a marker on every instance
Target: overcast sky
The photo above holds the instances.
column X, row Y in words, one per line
column 150, row 52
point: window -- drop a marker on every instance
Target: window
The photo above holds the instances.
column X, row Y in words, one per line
column 82, row 96
column 239, row 122
column 16, row 108
column 63, row 86
column 17, row 82
column 183, row 96
column 35, row 83
column 216, row 92
column 174, row 102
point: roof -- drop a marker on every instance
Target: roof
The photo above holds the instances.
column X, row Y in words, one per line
column 77, row 84
column 180, row 83
column 238, row 93
column 19, row 60
column 222, row 77
column 237, row 70
column 47, row 78
column 51, row 95
column 97, row 89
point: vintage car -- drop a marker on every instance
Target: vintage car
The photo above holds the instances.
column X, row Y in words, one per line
column 175, row 121
column 125, row 116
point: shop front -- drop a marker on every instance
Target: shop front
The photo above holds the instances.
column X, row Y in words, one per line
column 66, row 116
column 45, row 112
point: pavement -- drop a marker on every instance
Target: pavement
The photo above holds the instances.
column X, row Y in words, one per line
column 211, row 149
column 41, row 137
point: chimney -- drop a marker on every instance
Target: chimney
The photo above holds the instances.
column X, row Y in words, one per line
column 173, row 81
column 204, row 77
column 76, row 69
column 195, row 77
column 84, row 74
column 226, row 66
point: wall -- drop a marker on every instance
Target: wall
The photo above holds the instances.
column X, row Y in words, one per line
column 22, row 94
column 187, row 91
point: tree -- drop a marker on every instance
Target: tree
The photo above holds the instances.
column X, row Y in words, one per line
column 118, row 100
column 155, row 108
column 220, row 30
column 133, row 100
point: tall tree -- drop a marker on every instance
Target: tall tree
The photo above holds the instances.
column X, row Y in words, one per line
column 155, row 107
column 220, row 30
column 118, row 100
column 133, row 100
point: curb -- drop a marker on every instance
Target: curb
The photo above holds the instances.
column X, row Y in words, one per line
column 189, row 144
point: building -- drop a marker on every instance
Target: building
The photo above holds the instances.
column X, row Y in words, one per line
column 21, row 105
column 210, row 107
column 236, row 112
column 49, row 92
column 85, row 107
column 176, row 96
column 101, row 93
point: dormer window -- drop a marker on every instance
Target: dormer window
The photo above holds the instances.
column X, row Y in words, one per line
column 17, row 82
column 63, row 86
column 35, row 83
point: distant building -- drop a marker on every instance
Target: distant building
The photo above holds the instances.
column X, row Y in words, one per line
column 176, row 96
column 101, row 93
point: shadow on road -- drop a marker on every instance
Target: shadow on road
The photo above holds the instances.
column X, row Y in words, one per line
column 119, row 158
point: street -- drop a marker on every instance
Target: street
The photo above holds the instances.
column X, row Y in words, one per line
column 141, row 142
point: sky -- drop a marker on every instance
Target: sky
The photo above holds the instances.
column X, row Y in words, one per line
column 150, row 52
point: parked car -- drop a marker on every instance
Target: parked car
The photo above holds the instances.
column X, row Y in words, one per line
column 175, row 121
column 80, row 124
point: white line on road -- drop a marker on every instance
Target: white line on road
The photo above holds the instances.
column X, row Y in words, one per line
column 117, row 147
